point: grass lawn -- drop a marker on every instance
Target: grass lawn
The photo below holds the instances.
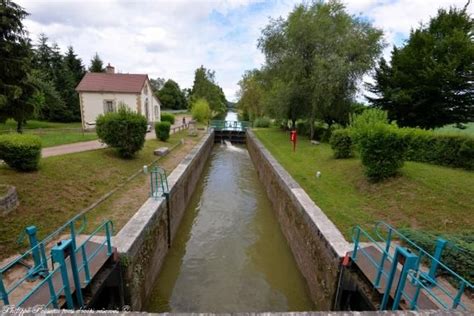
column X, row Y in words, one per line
column 52, row 134
column 423, row 196
column 55, row 138
column 66, row 184
column 469, row 130
column 33, row 124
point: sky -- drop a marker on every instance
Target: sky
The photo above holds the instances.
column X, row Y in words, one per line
column 170, row 39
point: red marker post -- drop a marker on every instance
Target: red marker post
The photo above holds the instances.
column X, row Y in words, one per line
column 293, row 138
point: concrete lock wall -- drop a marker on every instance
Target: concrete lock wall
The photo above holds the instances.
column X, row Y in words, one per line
column 143, row 242
column 317, row 245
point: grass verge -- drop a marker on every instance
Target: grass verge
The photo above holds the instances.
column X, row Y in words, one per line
column 66, row 184
column 423, row 196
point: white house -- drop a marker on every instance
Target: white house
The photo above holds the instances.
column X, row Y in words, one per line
column 102, row 92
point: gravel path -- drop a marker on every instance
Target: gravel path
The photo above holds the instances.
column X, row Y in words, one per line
column 95, row 144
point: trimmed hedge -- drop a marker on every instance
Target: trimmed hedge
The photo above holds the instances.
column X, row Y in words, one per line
column 341, row 143
column 20, row 152
column 261, row 122
column 124, row 130
column 168, row 117
column 162, row 130
column 382, row 152
column 459, row 258
column 441, row 149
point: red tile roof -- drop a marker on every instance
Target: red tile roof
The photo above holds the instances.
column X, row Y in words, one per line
column 104, row 82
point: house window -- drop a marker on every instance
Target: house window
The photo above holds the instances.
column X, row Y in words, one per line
column 145, row 90
column 157, row 112
column 109, row 106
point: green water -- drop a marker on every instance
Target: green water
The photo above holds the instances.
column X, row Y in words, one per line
column 229, row 254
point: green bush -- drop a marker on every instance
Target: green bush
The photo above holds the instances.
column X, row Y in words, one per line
column 341, row 143
column 167, row 117
column 381, row 147
column 441, row 149
column 458, row 255
column 20, row 152
column 201, row 111
column 124, row 130
column 261, row 122
column 162, row 130
column 382, row 152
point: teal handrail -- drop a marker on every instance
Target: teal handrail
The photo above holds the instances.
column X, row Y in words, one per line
column 219, row 125
column 158, row 182
column 415, row 274
column 5, row 292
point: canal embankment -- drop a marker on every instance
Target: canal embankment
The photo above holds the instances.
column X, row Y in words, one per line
column 143, row 242
column 317, row 245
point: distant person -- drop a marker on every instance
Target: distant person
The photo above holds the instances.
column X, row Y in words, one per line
column 184, row 120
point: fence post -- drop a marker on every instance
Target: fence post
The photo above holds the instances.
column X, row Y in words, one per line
column 58, row 256
column 384, row 257
column 440, row 244
column 3, row 291
column 108, row 234
column 35, row 252
column 356, row 243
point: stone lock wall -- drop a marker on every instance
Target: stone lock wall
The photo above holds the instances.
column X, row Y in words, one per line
column 317, row 245
column 143, row 242
column 9, row 201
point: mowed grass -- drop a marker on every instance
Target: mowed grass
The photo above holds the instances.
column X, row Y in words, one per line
column 451, row 129
column 64, row 185
column 34, row 124
column 56, row 138
column 423, row 196
column 51, row 134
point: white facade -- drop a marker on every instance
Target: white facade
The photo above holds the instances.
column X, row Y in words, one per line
column 95, row 103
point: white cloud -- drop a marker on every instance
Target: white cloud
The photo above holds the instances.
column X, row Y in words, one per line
column 172, row 38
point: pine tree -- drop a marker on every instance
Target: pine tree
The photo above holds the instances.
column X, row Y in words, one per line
column 97, row 65
column 430, row 80
column 16, row 90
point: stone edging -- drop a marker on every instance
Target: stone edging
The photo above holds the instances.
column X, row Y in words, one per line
column 9, row 201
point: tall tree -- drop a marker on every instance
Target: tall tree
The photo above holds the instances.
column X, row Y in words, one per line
column 319, row 54
column 74, row 64
column 171, row 96
column 251, row 94
column 97, row 65
column 157, row 84
column 205, row 86
column 16, row 90
column 430, row 80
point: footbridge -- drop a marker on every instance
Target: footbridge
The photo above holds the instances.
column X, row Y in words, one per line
column 406, row 276
column 66, row 269
column 232, row 131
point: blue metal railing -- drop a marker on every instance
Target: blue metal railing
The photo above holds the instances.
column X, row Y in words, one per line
column 49, row 272
column 219, row 125
column 417, row 275
column 158, row 182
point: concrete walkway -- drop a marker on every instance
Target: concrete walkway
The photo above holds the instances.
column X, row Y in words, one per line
column 96, row 144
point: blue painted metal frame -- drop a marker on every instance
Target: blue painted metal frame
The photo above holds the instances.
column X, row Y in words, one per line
column 414, row 273
column 220, row 125
column 158, row 182
column 47, row 273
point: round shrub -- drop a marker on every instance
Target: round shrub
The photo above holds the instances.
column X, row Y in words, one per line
column 261, row 122
column 124, row 130
column 20, row 152
column 382, row 152
column 162, row 130
column 341, row 143
column 201, row 111
column 167, row 117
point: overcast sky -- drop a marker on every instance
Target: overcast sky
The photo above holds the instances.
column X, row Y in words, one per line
column 170, row 39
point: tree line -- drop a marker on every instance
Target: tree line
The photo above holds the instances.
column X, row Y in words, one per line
column 316, row 57
column 38, row 81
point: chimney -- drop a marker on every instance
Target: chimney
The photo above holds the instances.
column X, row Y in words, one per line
column 110, row 69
